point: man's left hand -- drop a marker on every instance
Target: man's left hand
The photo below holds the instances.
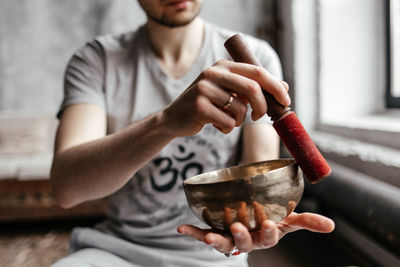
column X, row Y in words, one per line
column 267, row 237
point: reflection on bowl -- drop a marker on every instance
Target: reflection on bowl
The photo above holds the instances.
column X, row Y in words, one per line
column 248, row 193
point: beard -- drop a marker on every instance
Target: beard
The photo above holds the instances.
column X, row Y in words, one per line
column 179, row 18
column 173, row 22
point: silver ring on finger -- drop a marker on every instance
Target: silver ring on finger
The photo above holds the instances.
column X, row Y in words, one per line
column 233, row 252
column 229, row 102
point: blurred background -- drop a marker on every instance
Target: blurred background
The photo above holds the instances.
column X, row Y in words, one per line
column 341, row 59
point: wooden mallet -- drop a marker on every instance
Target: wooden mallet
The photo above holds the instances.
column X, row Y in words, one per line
column 286, row 123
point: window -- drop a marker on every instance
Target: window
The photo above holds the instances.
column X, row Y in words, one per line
column 393, row 49
column 340, row 79
column 340, row 83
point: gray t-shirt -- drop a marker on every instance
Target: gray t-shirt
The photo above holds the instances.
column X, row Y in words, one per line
column 121, row 75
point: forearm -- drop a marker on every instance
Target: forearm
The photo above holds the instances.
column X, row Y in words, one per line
column 98, row 168
column 260, row 142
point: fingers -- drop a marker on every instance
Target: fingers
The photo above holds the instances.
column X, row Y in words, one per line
column 225, row 100
column 224, row 244
column 228, row 218
column 269, row 234
column 243, row 86
column 291, row 205
column 221, row 243
column 242, row 237
column 237, row 109
column 259, row 214
column 265, row 79
column 309, row 221
column 286, row 85
column 209, row 98
column 209, row 113
column 243, row 214
column 221, row 93
column 193, row 231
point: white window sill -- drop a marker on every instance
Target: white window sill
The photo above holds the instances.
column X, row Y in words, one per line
column 388, row 121
column 380, row 129
column 381, row 162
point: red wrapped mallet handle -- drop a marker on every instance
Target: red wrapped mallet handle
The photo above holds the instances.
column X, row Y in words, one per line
column 286, row 123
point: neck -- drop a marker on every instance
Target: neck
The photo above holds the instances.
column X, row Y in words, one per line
column 176, row 48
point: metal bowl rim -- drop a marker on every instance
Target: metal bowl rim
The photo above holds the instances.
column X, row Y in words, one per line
column 187, row 181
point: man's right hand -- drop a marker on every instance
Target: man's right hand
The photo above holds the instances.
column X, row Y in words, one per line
column 208, row 98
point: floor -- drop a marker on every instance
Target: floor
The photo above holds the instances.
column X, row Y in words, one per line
column 31, row 247
column 41, row 244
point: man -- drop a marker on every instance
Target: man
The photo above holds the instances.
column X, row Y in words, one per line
column 145, row 110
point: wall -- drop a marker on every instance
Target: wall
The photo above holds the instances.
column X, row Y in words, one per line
column 39, row 36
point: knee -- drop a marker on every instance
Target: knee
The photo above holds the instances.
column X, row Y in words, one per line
column 68, row 262
column 74, row 259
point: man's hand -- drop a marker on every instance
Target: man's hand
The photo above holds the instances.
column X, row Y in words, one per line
column 220, row 95
column 267, row 237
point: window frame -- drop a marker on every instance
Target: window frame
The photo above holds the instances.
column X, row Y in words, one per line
column 391, row 100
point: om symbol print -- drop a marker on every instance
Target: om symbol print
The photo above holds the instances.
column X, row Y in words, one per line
column 169, row 170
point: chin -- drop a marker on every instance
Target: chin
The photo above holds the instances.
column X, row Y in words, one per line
column 177, row 20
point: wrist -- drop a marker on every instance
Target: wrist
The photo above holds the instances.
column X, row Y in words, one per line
column 161, row 122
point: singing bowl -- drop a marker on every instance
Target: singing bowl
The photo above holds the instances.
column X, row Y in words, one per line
column 247, row 193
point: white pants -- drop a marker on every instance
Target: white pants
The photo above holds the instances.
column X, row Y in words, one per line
column 93, row 248
column 89, row 257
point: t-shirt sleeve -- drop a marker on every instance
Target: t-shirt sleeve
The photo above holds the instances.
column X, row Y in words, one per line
column 269, row 59
column 84, row 77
